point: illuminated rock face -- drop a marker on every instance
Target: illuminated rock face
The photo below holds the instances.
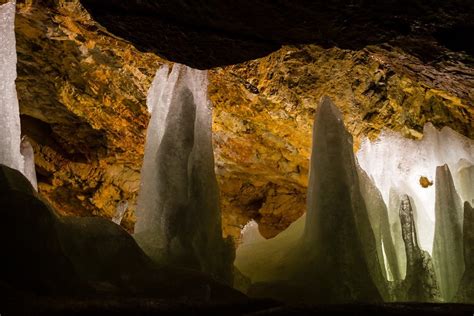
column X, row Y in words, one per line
column 10, row 132
column 178, row 215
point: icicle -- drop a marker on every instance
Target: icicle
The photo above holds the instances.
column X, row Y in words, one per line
column 10, row 132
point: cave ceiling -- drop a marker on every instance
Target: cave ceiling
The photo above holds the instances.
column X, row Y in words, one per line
column 84, row 72
column 205, row 34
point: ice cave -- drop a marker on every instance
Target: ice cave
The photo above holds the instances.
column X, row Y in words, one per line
column 236, row 158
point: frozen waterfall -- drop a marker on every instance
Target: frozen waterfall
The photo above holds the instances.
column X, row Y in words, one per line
column 178, row 215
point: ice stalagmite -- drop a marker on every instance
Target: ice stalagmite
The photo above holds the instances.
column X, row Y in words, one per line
column 465, row 292
column 178, row 216
column 379, row 220
column 28, row 154
column 448, row 246
column 330, row 254
column 337, row 222
column 396, row 232
column 10, row 132
column 409, row 166
column 464, row 181
column 420, row 283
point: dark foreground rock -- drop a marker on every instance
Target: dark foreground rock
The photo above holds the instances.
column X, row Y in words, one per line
column 43, row 254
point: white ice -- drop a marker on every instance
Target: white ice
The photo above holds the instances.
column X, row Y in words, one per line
column 28, row 154
column 393, row 161
column 120, row 211
column 10, row 132
column 178, row 215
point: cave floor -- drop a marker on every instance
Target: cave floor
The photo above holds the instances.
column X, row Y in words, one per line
column 36, row 305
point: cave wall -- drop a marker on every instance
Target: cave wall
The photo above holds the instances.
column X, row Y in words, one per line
column 82, row 95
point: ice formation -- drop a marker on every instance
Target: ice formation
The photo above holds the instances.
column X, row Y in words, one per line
column 10, row 132
column 369, row 229
column 120, row 211
column 464, row 181
column 28, row 154
column 393, row 161
column 329, row 255
column 419, row 284
column 465, row 292
column 379, row 220
column 178, row 215
column 250, row 233
column 448, row 246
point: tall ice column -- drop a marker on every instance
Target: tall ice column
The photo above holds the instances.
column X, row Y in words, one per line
column 10, row 133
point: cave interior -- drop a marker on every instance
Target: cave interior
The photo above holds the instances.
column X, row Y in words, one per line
column 265, row 157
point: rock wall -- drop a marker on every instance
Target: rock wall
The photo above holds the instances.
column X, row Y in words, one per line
column 82, row 94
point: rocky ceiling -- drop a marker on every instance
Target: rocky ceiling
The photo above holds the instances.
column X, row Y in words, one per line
column 82, row 89
column 205, row 34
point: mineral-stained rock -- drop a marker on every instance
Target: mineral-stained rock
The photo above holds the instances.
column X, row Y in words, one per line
column 82, row 97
